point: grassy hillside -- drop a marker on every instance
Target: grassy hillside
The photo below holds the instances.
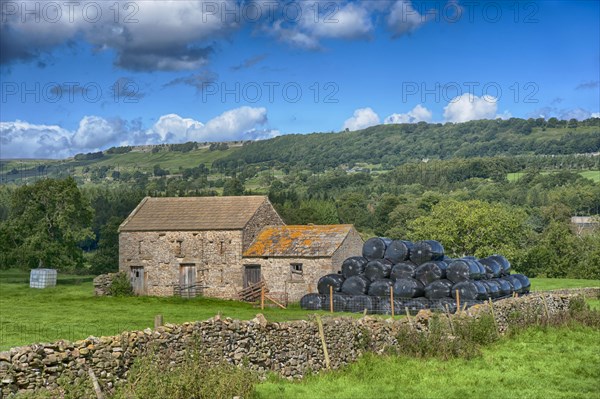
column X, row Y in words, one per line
column 378, row 147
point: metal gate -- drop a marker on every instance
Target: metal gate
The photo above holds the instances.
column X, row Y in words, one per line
column 187, row 281
column 136, row 278
column 251, row 275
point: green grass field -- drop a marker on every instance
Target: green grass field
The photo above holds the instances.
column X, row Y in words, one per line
column 71, row 311
column 593, row 175
column 539, row 363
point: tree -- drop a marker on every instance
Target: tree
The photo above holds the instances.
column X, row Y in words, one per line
column 106, row 258
column 47, row 222
column 233, row 186
column 473, row 228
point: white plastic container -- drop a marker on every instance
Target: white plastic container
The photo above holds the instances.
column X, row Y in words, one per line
column 42, row 278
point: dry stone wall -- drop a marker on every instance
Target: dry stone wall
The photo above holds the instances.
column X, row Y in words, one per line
column 292, row 349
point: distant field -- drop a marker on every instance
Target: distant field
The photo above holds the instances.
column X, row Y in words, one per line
column 544, row 284
column 593, row 175
column 539, row 363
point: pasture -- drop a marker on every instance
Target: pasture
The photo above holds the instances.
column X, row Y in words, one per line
column 71, row 311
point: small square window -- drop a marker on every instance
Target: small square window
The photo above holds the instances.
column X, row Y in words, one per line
column 296, row 268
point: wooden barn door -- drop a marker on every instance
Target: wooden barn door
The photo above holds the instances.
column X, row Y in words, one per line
column 251, row 275
column 187, row 281
column 136, row 278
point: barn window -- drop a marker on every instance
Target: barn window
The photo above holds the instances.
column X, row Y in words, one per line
column 178, row 249
column 296, row 268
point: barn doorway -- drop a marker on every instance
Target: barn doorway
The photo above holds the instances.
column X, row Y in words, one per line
column 136, row 278
column 187, row 280
column 251, row 275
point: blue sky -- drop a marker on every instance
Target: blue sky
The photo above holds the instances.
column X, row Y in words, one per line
column 82, row 78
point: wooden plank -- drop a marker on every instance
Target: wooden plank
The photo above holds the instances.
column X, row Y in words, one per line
column 322, row 335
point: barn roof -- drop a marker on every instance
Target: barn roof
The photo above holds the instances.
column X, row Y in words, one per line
column 193, row 213
column 298, row 241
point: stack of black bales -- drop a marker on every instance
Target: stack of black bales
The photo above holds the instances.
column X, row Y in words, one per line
column 419, row 275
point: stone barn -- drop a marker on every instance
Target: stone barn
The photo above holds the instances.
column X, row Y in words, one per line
column 191, row 246
column 291, row 259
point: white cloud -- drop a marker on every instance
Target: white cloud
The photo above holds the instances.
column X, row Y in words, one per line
column 418, row 114
column 362, row 118
column 349, row 21
column 563, row 113
column 322, row 20
column 404, row 18
column 468, row 107
column 20, row 139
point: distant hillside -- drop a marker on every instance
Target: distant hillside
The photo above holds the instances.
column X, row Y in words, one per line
column 393, row 145
column 383, row 146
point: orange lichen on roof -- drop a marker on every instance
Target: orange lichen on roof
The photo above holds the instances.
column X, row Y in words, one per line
column 303, row 241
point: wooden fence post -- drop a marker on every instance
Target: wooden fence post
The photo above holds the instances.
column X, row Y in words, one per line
column 457, row 300
column 262, row 297
column 392, row 300
column 322, row 335
column 158, row 320
column 331, row 298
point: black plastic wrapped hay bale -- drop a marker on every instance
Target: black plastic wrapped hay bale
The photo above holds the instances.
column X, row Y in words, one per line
column 374, row 248
column 311, row 302
column 381, row 287
column 515, row 282
column 339, row 302
column 482, row 271
column 504, row 263
column 377, row 269
column 444, row 305
column 506, row 288
column 438, row 289
column 482, row 291
column 417, row 304
column 466, row 289
column 330, row 280
column 398, row 251
column 461, row 270
column 382, row 305
column 408, row 288
column 356, row 285
column 354, row 266
column 492, row 287
column 492, row 267
column 358, row 304
column 403, row 270
column 425, row 251
column 526, row 284
column 429, row 272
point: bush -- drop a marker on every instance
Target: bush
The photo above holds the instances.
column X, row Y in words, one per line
column 152, row 376
column 120, row 285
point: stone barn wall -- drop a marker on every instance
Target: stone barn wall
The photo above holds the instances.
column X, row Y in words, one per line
column 265, row 216
column 351, row 246
column 216, row 255
column 283, row 283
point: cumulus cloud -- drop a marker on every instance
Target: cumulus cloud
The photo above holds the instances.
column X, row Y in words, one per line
column 182, row 35
column 362, row 118
column 468, row 107
column 418, row 114
column 20, row 139
column 563, row 113
column 403, row 18
column 184, row 41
